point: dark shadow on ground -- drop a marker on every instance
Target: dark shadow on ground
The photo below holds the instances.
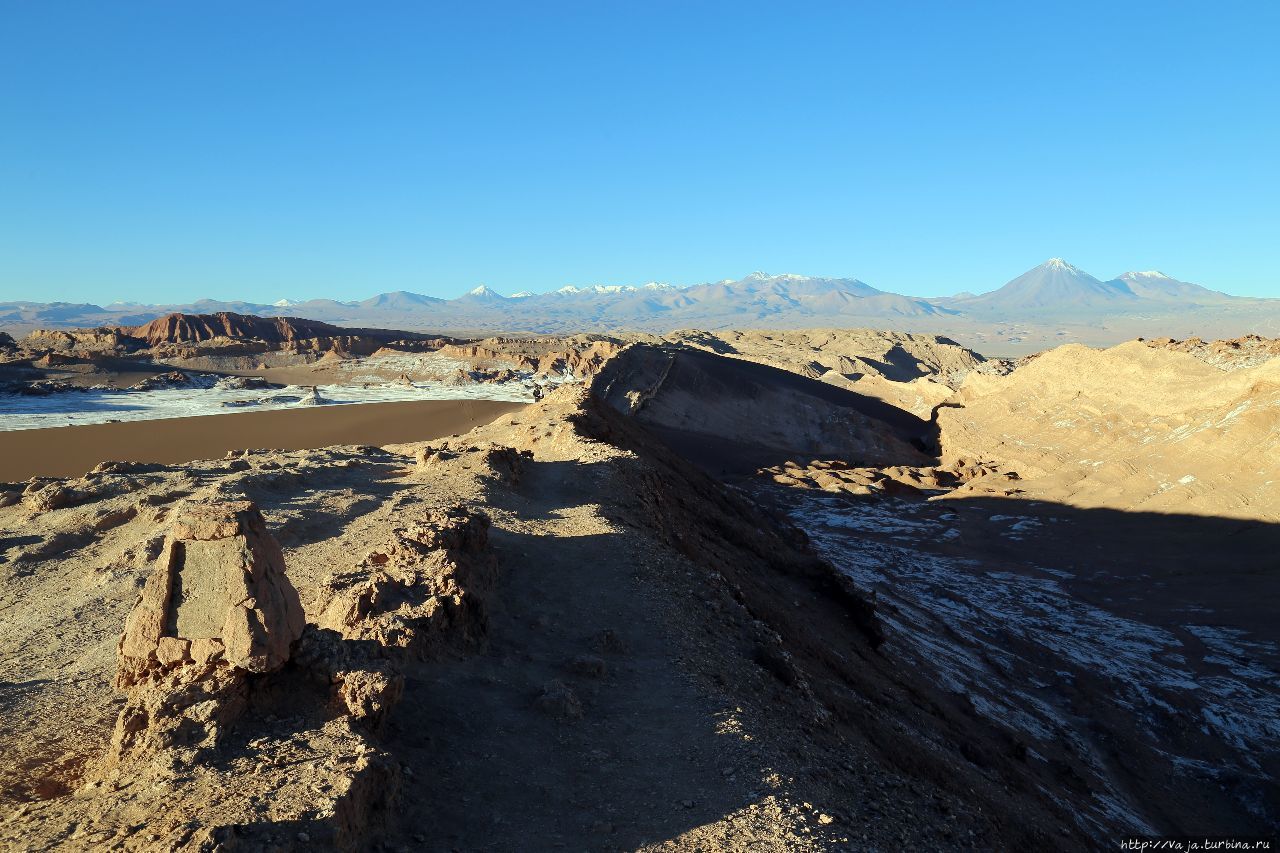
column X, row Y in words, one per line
column 1159, row 572
column 652, row 757
column 1123, row 654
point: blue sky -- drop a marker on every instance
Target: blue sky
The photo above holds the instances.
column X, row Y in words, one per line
column 162, row 151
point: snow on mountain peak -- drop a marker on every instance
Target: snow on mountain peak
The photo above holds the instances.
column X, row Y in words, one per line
column 598, row 288
column 1145, row 274
column 1059, row 264
column 785, row 276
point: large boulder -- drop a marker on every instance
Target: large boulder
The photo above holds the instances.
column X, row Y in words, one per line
column 219, row 594
column 217, row 608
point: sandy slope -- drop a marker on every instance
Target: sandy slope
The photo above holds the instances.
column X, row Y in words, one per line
column 1131, row 427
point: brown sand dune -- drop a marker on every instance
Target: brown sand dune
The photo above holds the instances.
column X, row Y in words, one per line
column 911, row 372
column 1130, row 427
column 736, row 414
column 71, row 451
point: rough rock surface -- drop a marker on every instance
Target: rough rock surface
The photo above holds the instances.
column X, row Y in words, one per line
column 629, row 655
column 218, row 595
column 1234, row 354
column 834, row 475
column 425, row 584
column 204, row 662
column 99, row 341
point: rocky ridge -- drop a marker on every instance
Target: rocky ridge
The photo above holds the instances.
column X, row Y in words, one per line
column 619, row 609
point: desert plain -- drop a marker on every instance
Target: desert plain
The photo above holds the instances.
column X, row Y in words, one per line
column 271, row 584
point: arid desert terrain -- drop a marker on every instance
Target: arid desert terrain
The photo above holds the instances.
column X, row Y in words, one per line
column 273, row 584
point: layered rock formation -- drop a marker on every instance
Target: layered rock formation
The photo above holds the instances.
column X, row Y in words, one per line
column 197, row 328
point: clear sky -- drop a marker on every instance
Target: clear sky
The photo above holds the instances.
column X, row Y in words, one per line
column 163, row 151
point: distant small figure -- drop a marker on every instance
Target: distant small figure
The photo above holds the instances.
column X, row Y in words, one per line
column 537, row 393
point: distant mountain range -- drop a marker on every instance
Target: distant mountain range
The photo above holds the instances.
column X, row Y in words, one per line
column 1054, row 301
column 1056, row 286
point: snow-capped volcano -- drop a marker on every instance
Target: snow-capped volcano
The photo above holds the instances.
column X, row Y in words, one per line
column 1054, row 284
column 482, row 293
column 785, row 276
column 1153, row 284
column 1056, row 287
column 1060, row 264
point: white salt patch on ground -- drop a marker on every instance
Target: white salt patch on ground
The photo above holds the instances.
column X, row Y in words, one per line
column 67, row 408
column 1014, row 643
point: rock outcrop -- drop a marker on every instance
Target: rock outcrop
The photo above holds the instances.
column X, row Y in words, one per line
column 423, row 591
column 910, row 371
column 836, row 476
column 194, row 328
column 103, row 341
column 217, row 607
column 219, row 595
column 1234, row 354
